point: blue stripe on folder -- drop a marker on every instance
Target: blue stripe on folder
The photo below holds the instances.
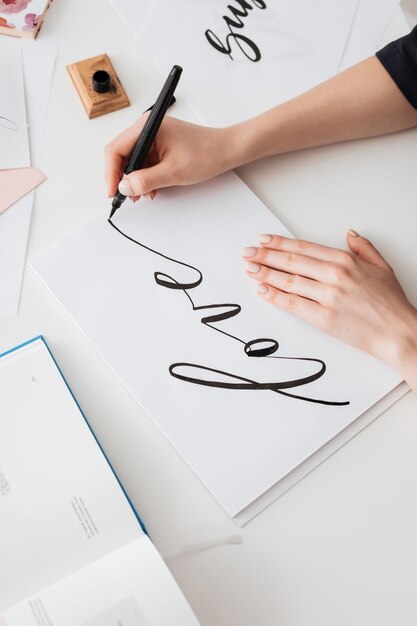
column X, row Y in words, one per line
column 40, row 337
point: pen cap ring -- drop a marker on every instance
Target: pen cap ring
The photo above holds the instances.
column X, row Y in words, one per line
column 101, row 81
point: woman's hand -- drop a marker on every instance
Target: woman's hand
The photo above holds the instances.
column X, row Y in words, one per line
column 354, row 296
column 182, row 154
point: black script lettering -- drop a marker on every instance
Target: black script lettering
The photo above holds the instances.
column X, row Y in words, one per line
column 248, row 47
column 226, row 47
column 237, row 23
column 255, row 348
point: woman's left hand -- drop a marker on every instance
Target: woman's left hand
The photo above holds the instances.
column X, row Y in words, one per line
column 353, row 295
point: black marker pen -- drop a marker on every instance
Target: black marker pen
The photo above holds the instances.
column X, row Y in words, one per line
column 148, row 134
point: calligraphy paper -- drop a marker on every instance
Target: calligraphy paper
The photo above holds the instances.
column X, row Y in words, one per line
column 241, row 58
column 244, row 391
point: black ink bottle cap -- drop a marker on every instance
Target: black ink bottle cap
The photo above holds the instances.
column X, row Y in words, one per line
column 101, row 81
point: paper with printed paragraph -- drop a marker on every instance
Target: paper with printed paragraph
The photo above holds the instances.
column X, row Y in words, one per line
column 131, row 586
column 244, row 391
column 61, row 506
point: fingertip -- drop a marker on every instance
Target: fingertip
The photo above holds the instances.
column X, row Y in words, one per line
column 265, row 239
column 352, row 240
column 111, row 184
column 262, row 289
column 125, row 187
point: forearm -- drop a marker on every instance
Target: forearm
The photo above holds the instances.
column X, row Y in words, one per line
column 406, row 362
column 411, row 373
column 362, row 101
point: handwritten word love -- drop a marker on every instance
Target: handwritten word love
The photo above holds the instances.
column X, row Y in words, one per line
column 246, row 45
column 198, row 374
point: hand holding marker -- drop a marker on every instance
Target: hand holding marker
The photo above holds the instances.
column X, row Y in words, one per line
column 147, row 136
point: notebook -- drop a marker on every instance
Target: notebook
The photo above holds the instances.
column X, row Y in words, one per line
column 72, row 548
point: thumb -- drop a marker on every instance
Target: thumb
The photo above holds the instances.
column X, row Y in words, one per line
column 365, row 250
column 146, row 180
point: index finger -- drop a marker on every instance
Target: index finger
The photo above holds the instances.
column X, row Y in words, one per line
column 117, row 152
column 298, row 246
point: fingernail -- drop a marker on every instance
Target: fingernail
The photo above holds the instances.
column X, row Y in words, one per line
column 353, row 233
column 253, row 268
column 125, row 188
column 249, row 251
column 262, row 289
column 265, row 238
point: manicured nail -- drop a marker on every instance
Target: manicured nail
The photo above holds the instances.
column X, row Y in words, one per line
column 353, row 233
column 262, row 289
column 253, row 268
column 125, row 188
column 249, row 252
column 265, row 238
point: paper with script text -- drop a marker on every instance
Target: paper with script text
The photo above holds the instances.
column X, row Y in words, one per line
column 244, row 391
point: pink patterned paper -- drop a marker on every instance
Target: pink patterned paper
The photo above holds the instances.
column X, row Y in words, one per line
column 13, row 6
column 22, row 18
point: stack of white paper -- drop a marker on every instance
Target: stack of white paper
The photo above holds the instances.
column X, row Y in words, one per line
column 243, row 422
column 25, row 79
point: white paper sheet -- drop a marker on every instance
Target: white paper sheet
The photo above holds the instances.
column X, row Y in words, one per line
column 61, row 506
column 130, row 587
column 297, row 43
column 38, row 68
column 14, row 228
column 240, row 442
column 370, row 23
column 14, row 146
column 134, row 12
column 14, row 234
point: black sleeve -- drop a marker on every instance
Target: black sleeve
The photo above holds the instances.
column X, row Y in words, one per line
column 400, row 60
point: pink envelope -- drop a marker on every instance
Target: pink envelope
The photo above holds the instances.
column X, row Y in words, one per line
column 14, row 184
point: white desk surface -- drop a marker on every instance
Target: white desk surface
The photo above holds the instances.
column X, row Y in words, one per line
column 341, row 547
